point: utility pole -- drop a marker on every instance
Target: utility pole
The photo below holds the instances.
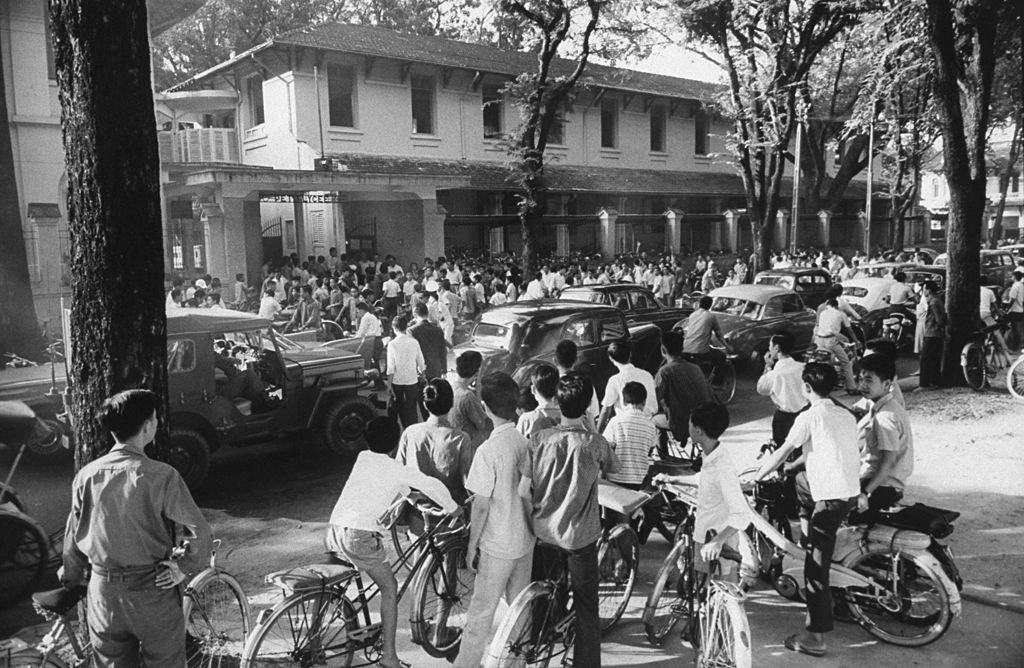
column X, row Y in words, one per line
column 795, row 209
column 871, row 177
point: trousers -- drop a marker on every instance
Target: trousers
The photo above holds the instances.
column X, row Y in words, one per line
column 931, row 361
column 583, row 578
column 407, row 399
column 495, row 577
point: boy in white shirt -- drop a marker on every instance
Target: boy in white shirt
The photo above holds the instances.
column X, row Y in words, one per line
column 499, row 527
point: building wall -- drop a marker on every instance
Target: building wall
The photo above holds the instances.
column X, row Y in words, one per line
column 397, row 225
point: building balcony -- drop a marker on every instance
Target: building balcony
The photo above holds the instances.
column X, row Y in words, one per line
column 198, row 145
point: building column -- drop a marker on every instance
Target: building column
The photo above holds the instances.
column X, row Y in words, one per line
column 862, row 233
column 825, row 227
column 241, row 240
column 561, row 239
column 215, row 241
column 781, row 240
column 732, row 230
column 302, row 248
column 433, row 229
column 715, row 242
column 606, row 224
column 340, row 237
column 673, row 230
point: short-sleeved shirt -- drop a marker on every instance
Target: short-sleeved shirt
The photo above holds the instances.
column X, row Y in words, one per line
column 720, row 501
column 900, row 293
column 887, row 427
column 541, row 417
column 632, row 435
column 498, row 466
column 699, row 327
column 828, row 434
column 630, row 374
column 831, row 322
column 681, row 386
column 565, row 464
column 467, row 414
column 435, row 449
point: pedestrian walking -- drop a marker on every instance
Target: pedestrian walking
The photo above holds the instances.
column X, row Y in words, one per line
column 405, row 366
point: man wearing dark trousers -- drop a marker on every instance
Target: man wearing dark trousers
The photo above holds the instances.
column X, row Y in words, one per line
column 405, row 366
column 432, row 343
column 127, row 513
column 560, row 482
column 934, row 333
column 827, row 491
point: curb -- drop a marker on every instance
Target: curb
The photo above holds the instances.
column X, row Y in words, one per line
column 991, row 600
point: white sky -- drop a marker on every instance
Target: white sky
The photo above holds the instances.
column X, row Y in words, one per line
column 677, row 62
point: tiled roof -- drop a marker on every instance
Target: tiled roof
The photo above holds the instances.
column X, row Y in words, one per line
column 385, row 43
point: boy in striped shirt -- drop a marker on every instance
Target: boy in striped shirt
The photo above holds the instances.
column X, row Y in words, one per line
column 632, row 435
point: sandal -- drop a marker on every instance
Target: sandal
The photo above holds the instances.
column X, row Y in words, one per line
column 793, row 643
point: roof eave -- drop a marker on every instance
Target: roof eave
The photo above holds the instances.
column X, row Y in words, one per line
column 220, row 67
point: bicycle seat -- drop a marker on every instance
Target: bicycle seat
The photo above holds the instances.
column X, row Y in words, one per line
column 314, row 576
column 58, row 601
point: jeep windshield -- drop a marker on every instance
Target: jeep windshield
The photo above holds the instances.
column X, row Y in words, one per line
column 741, row 308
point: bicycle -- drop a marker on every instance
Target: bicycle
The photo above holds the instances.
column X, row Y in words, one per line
column 721, row 377
column 325, row 615
column 1015, row 378
column 216, row 611
column 982, row 358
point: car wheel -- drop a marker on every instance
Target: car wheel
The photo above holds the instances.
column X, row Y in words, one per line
column 189, row 453
column 345, row 425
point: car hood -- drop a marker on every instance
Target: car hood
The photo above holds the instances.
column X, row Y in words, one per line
column 31, row 382
column 317, row 359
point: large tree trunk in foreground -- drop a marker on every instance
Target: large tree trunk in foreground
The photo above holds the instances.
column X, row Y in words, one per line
column 19, row 331
column 118, row 324
column 531, row 217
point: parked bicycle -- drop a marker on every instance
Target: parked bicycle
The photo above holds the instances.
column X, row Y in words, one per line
column 983, row 358
column 1015, row 378
column 324, row 618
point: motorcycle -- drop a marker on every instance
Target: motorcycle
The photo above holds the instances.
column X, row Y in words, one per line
column 898, row 326
column 854, row 351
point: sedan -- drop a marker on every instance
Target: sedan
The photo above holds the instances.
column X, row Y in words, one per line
column 867, row 294
column 749, row 315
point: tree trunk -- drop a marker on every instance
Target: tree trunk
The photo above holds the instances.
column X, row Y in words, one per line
column 531, row 217
column 118, row 324
column 19, row 329
column 1004, row 182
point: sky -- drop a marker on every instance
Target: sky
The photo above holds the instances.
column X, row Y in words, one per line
column 677, row 61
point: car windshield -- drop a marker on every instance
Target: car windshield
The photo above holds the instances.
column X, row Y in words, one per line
column 743, row 308
column 591, row 296
column 781, row 281
column 855, row 292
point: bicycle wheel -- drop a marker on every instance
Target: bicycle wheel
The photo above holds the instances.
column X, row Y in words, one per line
column 671, row 599
column 217, row 619
column 914, row 609
column 30, row 658
column 24, row 549
column 527, row 634
column 972, row 359
column 725, row 634
column 1015, row 378
column 441, row 594
column 764, row 549
column 309, row 628
column 618, row 559
column 723, row 383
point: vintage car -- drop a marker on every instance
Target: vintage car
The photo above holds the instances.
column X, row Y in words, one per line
column 867, row 294
column 299, row 389
column 885, row 269
column 810, row 283
column 514, row 338
column 636, row 302
column 749, row 315
column 997, row 264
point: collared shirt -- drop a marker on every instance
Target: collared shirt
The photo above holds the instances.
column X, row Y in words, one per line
column 699, row 327
column 1016, row 297
column 828, row 434
column 391, row 288
column 720, row 501
column 306, row 316
column 269, row 307
column 632, row 435
column 468, row 414
column 986, row 303
column 375, row 482
column 900, row 293
column 887, row 427
column 405, row 360
column 535, row 290
column 129, row 510
column 541, row 417
column 498, row 466
column 439, row 451
column 681, row 386
column 784, row 385
column 433, row 346
column 369, row 325
column 565, row 464
column 630, row 374
column 830, row 322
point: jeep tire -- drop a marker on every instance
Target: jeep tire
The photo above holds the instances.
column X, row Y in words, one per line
column 344, row 425
column 189, row 453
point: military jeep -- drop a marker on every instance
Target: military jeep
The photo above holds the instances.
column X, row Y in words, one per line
column 292, row 389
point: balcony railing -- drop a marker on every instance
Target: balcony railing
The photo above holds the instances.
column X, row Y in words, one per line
column 199, row 145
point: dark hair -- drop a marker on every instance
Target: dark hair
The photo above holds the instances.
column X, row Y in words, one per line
column 821, row 377
column 705, row 302
column 882, row 346
column 124, row 413
column 400, row 322
column 421, row 310
column 438, row 396
column 363, row 306
column 634, row 393
column 1018, row 275
column 500, row 394
column 307, row 290
column 566, row 353
column 882, row 366
column 545, row 380
column 900, row 276
column 269, row 292
column 574, row 394
column 931, row 286
column 468, row 363
column 382, row 434
column 785, row 342
column 620, row 351
column 527, row 402
column 711, row 417
column 673, row 343
column 176, row 294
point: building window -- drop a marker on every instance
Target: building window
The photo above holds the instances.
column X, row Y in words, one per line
column 556, row 135
column 255, row 92
column 492, row 111
column 658, row 129
column 609, row 123
column 422, row 105
column 51, row 65
column 341, row 85
column 1015, row 183
column 700, row 132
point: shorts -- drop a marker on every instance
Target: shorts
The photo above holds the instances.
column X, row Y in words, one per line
column 364, row 549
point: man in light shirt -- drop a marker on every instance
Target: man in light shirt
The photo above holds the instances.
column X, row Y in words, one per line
column 1015, row 307
column 782, row 381
column 370, row 328
column 374, row 484
column 620, row 353
column 901, row 294
column 831, row 322
column 499, row 529
column 535, row 289
column 827, row 491
column 269, row 306
column 700, row 327
column 405, row 365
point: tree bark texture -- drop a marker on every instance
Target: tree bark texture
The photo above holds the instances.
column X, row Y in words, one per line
column 19, row 330
column 118, row 323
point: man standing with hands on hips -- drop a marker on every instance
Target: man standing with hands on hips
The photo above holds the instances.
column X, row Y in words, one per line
column 127, row 513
